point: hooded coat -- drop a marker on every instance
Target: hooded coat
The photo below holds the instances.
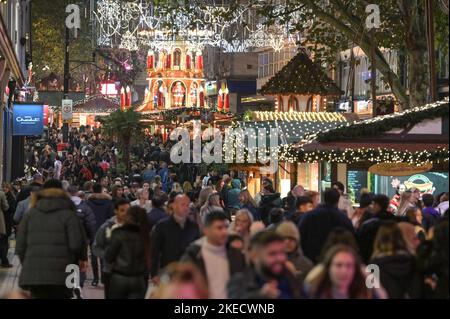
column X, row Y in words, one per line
column 102, row 206
column 50, row 237
column 233, row 195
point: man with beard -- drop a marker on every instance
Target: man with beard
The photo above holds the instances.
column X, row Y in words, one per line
column 267, row 275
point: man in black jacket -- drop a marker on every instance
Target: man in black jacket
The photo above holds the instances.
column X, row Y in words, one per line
column 316, row 225
column 49, row 239
column 171, row 236
column 210, row 254
column 87, row 218
column 103, row 208
column 103, row 239
column 369, row 229
column 267, row 275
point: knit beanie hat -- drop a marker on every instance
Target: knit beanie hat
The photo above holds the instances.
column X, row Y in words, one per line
column 288, row 229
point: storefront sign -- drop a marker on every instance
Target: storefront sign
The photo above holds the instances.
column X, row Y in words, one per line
column 399, row 169
column 344, row 106
column 363, row 106
column 66, row 108
column 28, row 119
column 421, row 182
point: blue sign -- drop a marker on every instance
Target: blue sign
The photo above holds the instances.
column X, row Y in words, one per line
column 28, row 119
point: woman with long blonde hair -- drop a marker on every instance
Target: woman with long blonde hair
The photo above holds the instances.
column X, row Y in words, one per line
column 407, row 200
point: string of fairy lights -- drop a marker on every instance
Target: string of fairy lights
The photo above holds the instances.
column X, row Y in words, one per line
column 291, row 154
column 301, row 76
column 296, row 116
column 290, row 128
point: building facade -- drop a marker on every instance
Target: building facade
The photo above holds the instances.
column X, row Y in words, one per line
column 14, row 54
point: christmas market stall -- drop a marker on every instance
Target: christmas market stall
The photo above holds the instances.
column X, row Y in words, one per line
column 303, row 93
column 407, row 149
column 301, row 86
column 85, row 111
column 290, row 127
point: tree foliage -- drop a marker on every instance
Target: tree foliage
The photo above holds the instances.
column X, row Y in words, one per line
column 329, row 27
column 48, row 39
column 126, row 128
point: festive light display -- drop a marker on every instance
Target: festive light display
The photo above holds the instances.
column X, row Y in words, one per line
column 295, row 116
column 382, row 124
column 130, row 24
column 373, row 155
column 188, row 113
column 301, row 76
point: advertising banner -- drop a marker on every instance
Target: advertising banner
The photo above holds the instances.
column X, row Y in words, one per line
column 28, row 119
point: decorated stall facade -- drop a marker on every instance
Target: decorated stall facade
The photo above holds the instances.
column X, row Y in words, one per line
column 301, row 86
column 409, row 148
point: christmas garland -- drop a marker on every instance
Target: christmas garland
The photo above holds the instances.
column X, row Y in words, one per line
column 190, row 113
column 382, row 124
column 372, row 155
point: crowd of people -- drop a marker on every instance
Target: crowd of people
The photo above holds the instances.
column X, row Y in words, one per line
column 156, row 235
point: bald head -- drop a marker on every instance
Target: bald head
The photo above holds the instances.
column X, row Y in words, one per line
column 181, row 205
column 298, row 191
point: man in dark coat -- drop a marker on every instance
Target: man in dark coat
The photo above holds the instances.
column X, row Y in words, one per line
column 103, row 240
column 316, row 225
column 87, row 218
column 171, row 236
column 157, row 213
column 211, row 256
column 50, row 238
column 369, row 229
column 103, row 208
column 267, row 275
column 268, row 203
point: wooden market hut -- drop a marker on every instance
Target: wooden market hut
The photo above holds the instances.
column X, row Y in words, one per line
column 399, row 144
column 301, row 85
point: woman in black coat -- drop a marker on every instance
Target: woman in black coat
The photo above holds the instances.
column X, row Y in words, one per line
column 399, row 273
column 128, row 254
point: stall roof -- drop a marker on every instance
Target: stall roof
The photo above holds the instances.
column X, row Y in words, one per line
column 301, row 76
column 96, row 104
column 294, row 126
column 392, row 127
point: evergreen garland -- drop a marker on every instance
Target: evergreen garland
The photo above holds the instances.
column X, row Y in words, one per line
column 382, row 124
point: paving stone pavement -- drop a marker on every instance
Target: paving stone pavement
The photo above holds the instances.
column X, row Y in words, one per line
column 9, row 278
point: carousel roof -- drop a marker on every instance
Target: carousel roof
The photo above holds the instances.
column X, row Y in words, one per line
column 301, row 76
column 96, row 104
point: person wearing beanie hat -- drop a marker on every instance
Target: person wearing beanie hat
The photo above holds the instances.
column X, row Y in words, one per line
column 297, row 262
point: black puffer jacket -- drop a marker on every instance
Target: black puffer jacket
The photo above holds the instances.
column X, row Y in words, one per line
column 50, row 238
column 126, row 252
column 268, row 202
column 399, row 275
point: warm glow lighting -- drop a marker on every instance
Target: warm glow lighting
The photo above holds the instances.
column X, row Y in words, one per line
column 108, row 89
